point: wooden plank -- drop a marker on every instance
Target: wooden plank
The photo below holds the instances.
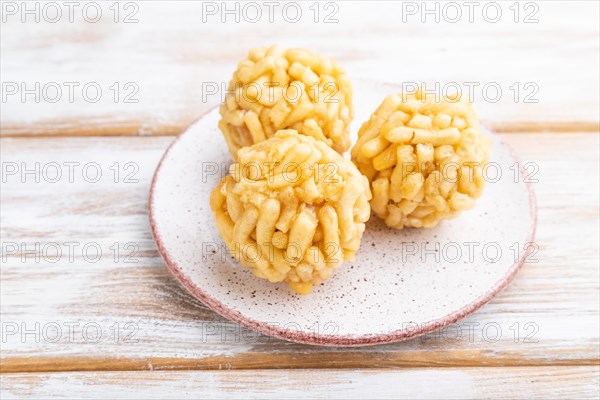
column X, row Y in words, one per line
column 552, row 62
column 455, row 383
column 558, row 296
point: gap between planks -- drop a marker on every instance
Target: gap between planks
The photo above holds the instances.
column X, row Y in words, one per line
column 255, row 361
column 137, row 128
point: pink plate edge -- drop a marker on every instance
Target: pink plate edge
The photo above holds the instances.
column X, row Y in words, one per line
column 332, row 340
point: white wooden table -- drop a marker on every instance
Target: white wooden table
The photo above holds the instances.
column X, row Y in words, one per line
column 89, row 309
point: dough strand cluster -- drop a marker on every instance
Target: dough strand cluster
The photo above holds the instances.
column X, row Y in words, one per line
column 276, row 88
column 424, row 158
column 292, row 209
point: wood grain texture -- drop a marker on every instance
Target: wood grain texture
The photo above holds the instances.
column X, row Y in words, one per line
column 173, row 57
column 454, row 383
column 120, row 326
column 557, row 296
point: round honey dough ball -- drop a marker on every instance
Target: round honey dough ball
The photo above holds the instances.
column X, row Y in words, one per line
column 276, row 89
column 423, row 157
column 292, row 209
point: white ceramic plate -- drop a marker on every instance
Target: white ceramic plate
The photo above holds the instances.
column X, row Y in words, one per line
column 400, row 286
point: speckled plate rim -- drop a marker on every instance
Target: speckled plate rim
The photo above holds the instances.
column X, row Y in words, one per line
column 335, row 340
